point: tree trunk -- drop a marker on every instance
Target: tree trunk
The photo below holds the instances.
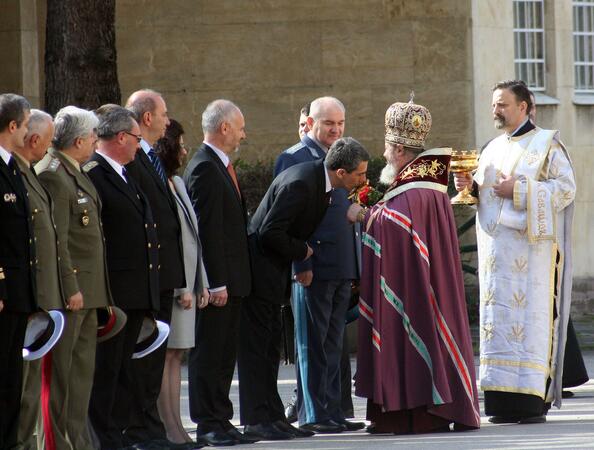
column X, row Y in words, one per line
column 80, row 54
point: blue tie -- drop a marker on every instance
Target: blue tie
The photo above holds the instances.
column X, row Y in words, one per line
column 158, row 166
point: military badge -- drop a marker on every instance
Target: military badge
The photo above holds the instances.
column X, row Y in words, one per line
column 85, row 220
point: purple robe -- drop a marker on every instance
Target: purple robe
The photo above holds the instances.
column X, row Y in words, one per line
column 415, row 361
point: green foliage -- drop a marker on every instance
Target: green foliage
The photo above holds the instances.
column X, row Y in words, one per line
column 254, row 178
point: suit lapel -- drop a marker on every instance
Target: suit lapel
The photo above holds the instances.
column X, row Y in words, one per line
column 10, row 177
column 151, row 169
column 110, row 174
column 211, row 153
column 28, row 174
column 316, row 151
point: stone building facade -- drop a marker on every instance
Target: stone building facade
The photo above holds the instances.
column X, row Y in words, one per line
column 273, row 56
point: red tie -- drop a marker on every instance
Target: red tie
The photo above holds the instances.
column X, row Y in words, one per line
column 231, row 171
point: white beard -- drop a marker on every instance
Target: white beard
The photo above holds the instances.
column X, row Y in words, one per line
column 388, row 174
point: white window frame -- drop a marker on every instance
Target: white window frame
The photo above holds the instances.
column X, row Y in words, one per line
column 583, row 47
column 535, row 74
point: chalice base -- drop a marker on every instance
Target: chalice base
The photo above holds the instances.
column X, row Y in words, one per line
column 464, row 198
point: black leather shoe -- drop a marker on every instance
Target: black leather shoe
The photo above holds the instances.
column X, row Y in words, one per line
column 566, row 394
column 216, row 438
column 350, row 426
column 266, row 432
column 533, row 419
column 288, row 428
column 328, row 426
column 149, row 445
column 239, row 437
column 504, row 419
column 164, row 443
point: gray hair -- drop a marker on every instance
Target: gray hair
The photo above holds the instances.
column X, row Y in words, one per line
column 70, row 124
column 217, row 112
column 346, row 153
column 142, row 103
column 38, row 122
column 113, row 120
column 321, row 104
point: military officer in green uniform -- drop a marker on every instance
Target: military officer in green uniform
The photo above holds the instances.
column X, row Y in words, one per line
column 77, row 212
column 49, row 292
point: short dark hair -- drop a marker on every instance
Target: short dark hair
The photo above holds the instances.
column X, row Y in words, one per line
column 12, row 107
column 168, row 147
column 519, row 89
column 346, row 153
column 305, row 109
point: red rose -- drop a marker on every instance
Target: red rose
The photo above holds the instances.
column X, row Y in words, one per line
column 364, row 195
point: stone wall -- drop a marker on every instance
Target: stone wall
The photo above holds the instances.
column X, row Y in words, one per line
column 273, row 56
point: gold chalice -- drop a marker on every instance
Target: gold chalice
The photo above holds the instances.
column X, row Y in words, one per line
column 464, row 161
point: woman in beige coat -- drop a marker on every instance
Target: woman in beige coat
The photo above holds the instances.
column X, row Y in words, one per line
column 172, row 152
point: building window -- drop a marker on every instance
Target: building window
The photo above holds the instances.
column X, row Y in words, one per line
column 583, row 46
column 529, row 44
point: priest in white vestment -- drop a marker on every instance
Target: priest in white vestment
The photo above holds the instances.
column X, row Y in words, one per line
column 526, row 187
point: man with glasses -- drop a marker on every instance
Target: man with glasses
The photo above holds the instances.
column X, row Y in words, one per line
column 68, row 369
column 132, row 261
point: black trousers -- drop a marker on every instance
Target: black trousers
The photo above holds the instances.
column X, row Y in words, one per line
column 144, row 423
column 211, row 365
column 258, row 362
column 12, row 335
column 346, row 379
column 114, row 383
column 574, row 369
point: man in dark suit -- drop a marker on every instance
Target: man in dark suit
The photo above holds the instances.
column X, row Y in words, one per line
column 220, row 208
column 81, row 252
column 17, row 264
column 319, row 306
column 132, row 261
column 150, row 112
column 49, row 293
column 289, row 213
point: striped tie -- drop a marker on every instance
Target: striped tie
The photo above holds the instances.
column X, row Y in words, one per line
column 157, row 165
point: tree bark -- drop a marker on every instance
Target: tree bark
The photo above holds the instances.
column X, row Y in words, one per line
column 80, row 54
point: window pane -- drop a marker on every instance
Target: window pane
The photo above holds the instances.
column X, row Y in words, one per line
column 583, row 43
column 537, row 15
column 529, row 43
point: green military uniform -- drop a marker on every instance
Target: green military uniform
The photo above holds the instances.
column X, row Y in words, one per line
column 70, row 368
column 49, row 294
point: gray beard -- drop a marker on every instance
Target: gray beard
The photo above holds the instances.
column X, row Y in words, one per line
column 388, row 174
column 499, row 123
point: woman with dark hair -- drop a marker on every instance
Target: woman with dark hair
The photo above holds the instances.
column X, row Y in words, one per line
column 172, row 152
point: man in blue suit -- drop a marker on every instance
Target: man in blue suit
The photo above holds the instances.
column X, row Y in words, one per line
column 322, row 283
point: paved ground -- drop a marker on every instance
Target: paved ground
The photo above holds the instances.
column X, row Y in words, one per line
column 571, row 427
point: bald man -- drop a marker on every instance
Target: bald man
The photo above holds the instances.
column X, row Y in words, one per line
column 222, row 220
column 322, row 284
column 150, row 111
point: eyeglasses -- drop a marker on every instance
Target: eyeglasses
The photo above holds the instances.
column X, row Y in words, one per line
column 137, row 136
